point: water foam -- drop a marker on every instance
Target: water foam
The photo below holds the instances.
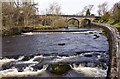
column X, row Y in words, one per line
column 32, row 33
column 64, row 58
column 28, row 71
column 6, row 60
column 89, row 71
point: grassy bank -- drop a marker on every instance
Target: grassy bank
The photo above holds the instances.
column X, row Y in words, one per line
column 116, row 24
column 7, row 31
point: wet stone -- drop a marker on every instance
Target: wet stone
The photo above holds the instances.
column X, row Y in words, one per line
column 61, row 44
column 54, row 54
column 46, row 55
column 26, row 58
column 96, row 36
column 80, row 52
column 84, row 64
column 88, row 64
column 96, row 54
column 103, row 60
column 38, row 66
column 101, row 33
column 102, row 66
column 37, row 59
column 88, row 55
column 58, row 68
column 90, row 32
column 14, row 57
column 8, row 65
column 41, row 60
column 21, row 67
column 91, row 64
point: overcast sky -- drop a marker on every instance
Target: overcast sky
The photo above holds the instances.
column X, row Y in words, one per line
column 73, row 6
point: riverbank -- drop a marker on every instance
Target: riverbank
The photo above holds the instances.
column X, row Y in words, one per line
column 7, row 31
column 116, row 24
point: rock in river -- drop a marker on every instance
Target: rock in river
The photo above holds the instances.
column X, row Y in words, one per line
column 58, row 68
column 61, row 44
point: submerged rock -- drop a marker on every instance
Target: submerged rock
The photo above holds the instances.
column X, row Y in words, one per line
column 96, row 36
column 80, row 52
column 103, row 33
column 8, row 65
column 88, row 55
column 37, row 59
column 90, row 32
column 26, row 58
column 58, row 68
column 21, row 67
column 38, row 66
column 61, row 44
column 103, row 59
column 9, row 57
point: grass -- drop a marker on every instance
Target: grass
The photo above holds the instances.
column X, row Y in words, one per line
column 111, row 23
column 117, row 25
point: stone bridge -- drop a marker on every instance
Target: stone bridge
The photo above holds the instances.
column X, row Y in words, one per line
column 77, row 18
column 67, row 18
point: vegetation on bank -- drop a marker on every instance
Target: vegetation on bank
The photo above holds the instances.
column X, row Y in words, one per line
column 21, row 29
column 19, row 17
column 111, row 17
column 116, row 24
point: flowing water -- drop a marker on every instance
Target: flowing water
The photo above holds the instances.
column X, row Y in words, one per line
column 80, row 53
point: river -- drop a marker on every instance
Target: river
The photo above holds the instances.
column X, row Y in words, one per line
column 82, row 52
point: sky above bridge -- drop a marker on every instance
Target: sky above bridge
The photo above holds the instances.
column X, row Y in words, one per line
column 70, row 7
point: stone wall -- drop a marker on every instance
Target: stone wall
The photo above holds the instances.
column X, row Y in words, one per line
column 113, row 37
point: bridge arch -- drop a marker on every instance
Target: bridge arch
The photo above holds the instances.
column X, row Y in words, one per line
column 73, row 19
column 85, row 22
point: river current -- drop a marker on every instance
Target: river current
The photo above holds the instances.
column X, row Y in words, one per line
column 83, row 53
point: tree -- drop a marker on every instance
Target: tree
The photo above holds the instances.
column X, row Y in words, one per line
column 88, row 12
column 28, row 10
column 92, row 14
column 54, row 10
column 85, row 10
column 18, row 13
column 102, row 9
column 8, row 11
column 106, row 17
column 116, row 13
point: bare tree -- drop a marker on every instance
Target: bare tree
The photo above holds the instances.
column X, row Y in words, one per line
column 85, row 10
column 55, row 11
column 102, row 9
column 18, row 13
column 54, row 8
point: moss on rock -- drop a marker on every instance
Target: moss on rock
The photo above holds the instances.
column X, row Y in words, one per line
column 58, row 68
